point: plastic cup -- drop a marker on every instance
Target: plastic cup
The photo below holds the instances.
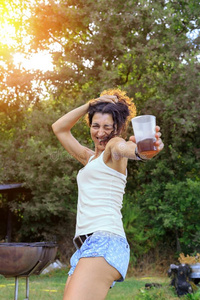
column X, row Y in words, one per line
column 144, row 131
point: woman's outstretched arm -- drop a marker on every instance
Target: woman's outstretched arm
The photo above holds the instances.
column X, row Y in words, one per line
column 120, row 148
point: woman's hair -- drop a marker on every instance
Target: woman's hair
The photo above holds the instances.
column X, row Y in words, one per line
column 121, row 112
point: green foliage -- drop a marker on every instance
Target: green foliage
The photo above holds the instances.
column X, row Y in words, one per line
column 162, row 293
column 135, row 226
column 46, row 170
column 170, row 205
column 133, row 44
column 194, row 296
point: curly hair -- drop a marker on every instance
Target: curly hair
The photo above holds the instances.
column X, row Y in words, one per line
column 122, row 111
column 123, row 98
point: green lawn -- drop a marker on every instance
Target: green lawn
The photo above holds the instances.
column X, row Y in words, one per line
column 51, row 286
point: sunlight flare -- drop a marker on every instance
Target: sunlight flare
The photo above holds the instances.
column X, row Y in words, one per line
column 13, row 16
column 37, row 61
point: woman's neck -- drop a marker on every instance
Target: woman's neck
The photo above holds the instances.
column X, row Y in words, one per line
column 98, row 152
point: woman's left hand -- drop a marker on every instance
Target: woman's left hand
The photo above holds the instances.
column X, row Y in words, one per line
column 105, row 98
column 158, row 143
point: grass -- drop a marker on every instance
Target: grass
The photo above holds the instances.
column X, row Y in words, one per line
column 51, row 287
column 134, row 288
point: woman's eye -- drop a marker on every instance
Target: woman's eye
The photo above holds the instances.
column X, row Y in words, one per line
column 108, row 128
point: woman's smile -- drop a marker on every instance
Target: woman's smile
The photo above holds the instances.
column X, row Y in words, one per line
column 101, row 128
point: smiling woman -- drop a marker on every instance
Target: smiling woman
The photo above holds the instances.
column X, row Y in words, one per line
column 103, row 252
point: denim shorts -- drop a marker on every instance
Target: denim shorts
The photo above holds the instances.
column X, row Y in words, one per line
column 114, row 248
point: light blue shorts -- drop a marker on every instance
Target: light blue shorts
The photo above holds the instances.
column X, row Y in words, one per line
column 114, row 248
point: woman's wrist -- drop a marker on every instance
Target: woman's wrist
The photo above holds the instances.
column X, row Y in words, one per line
column 87, row 105
column 138, row 156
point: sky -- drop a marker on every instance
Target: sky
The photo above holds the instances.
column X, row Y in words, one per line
column 38, row 61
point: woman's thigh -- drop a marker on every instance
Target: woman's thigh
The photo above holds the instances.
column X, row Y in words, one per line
column 91, row 279
column 67, row 283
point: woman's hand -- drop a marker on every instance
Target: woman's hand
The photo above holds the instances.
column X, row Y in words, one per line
column 158, row 143
column 104, row 98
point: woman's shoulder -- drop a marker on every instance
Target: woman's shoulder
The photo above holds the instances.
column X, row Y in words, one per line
column 111, row 151
column 114, row 140
column 112, row 157
column 115, row 143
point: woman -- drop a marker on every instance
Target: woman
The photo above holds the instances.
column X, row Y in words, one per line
column 102, row 254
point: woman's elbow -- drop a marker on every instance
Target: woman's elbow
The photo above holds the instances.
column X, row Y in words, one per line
column 54, row 128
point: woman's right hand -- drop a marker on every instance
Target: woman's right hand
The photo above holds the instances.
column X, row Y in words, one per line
column 104, row 98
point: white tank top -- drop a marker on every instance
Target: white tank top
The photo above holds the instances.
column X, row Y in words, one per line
column 100, row 197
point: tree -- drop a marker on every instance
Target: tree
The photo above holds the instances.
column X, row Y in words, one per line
column 109, row 43
column 170, row 186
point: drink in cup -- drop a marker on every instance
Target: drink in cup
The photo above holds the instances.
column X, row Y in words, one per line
column 144, row 131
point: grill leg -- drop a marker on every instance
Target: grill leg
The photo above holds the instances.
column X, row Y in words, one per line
column 16, row 288
column 27, row 288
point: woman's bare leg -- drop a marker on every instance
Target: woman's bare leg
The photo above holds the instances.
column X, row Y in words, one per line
column 67, row 283
column 91, row 280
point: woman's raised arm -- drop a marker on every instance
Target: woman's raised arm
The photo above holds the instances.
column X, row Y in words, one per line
column 62, row 129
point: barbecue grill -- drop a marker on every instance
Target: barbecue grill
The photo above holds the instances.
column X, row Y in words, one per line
column 25, row 259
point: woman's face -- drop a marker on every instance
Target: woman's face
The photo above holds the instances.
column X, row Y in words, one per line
column 100, row 129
